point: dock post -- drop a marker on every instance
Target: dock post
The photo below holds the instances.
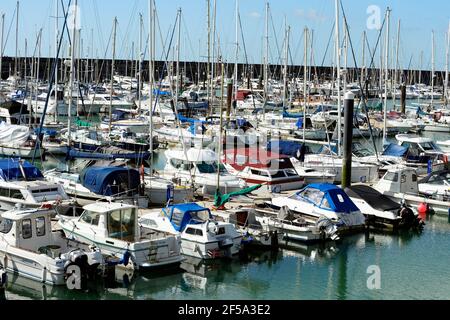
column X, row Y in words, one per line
column 349, row 101
column 403, row 98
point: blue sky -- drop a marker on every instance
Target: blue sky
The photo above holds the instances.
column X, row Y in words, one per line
column 418, row 19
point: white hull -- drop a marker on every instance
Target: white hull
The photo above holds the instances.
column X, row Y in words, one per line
column 23, row 152
column 200, row 250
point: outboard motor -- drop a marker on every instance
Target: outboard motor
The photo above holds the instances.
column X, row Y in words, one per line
column 86, row 262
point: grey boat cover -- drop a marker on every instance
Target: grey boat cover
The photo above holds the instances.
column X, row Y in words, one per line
column 374, row 198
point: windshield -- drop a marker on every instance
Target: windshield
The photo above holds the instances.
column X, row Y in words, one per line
column 5, row 225
column 429, row 146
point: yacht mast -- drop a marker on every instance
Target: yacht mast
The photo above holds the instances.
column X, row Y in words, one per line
column 446, row 66
column 17, row 39
column 432, row 68
column 266, row 60
column 338, row 69
column 150, row 75
column 112, row 71
column 386, row 75
column 396, row 78
column 1, row 44
column 56, row 59
column 305, row 70
column 286, row 50
column 177, row 83
column 141, row 55
column 236, row 54
column 72, row 54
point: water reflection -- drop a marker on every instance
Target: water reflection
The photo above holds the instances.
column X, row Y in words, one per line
column 331, row 270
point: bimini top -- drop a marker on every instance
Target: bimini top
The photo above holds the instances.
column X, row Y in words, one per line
column 395, row 150
column 181, row 215
column 327, row 196
column 10, row 170
column 108, row 181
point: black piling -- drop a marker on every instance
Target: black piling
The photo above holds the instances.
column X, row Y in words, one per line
column 349, row 101
column 403, row 98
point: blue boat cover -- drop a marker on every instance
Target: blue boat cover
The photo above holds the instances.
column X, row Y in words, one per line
column 47, row 132
column 184, row 214
column 10, row 170
column 288, row 148
column 75, row 154
column 395, row 150
column 190, row 120
column 108, row 181
column 337, row 199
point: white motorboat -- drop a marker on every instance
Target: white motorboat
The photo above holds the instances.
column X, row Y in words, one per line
column 201, row 236
column 199, row 166
column 113, row 228
column 327, row 200
column 436, row 185
column 22, row 183
column 30, row 248
column 381, row 211
column 258, row 166
column 401, row 184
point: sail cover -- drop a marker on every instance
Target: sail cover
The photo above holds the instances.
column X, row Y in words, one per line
column 108, row 181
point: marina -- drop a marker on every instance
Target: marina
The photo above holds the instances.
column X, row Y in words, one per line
column 148, row 176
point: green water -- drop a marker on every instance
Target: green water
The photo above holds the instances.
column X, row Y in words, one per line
column 413, row 266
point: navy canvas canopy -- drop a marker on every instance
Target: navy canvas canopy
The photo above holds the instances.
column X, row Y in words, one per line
column 395, row 150
column 10, row 170
column 288, row 148
column 185, row 214
column 337, row 199
column 108, row 181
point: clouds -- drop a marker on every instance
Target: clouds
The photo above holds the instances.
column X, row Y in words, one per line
column 310, row 14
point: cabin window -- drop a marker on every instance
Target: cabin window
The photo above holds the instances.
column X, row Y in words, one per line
column 5, row 192
column 221, row 231
column 90, row 217
column 315, row 196
column 40, row 226
column 26, row 229
column 202, row 215
column 325, row 204
column 205, row 167
column 278, row 174
column 5, row 225
column 391, row 176
column 290, row 172
column 199, row 232
column 259, row 173
column 403, row 178
column 190, row 231
column 149, row 222
column 414, row 177
column 121, row 224
column 17, row 195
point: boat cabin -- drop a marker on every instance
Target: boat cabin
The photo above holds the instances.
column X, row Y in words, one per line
column 30, row 230
column 398, row 180
column 182, row 215
column 326, row 196
column 110, row 220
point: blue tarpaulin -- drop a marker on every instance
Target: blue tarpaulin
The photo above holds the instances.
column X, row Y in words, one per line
column 335, row 197
column 288, row 148
column 299, row 123
column 47, row 132
column 10, row 170
column 108, row 181
column 182, row 214
column 395, row 150
column 291, row 115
